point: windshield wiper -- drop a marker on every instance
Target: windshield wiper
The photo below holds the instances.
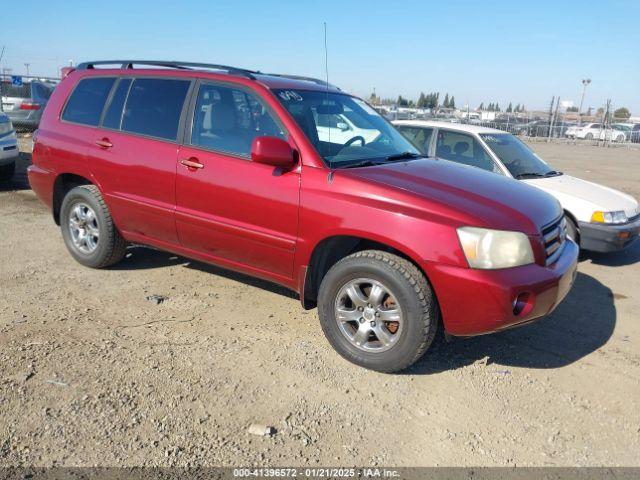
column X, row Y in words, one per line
column 391, row 158
column 364, row 163
column 405, row 156
column 530, row 174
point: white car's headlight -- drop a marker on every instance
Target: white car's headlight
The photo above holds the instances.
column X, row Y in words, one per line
column 609, row 217
column 490, row 249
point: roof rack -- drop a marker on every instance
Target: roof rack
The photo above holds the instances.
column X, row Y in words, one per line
column 128, row 64
column 317, row 81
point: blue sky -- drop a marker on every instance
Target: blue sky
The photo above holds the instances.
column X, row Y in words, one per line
column 502, row 50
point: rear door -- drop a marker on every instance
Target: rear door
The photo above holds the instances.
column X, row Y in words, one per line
column 133, row 154
column 228, row 208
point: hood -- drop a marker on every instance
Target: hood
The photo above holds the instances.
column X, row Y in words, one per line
column 479, row 198
column 597, row 196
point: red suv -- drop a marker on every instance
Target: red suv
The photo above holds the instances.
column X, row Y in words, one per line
column 292, row 180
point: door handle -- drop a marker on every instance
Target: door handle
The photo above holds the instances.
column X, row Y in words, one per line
column 104, row 143
column 191, row 163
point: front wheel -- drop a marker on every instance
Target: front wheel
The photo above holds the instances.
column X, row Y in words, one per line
column 377, row 310
column 88, row 229
column 572, row 230
column 588, row 136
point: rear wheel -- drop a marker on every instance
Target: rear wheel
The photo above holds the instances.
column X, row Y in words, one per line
column 589, row 136
column 88, row 229
column 378, row 310
column 7, row 171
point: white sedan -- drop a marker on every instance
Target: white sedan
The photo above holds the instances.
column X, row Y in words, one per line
column 596, row 131
column 599, row 218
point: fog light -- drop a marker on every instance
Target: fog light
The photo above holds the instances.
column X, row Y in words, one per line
column 520, row 302
column 624, row 235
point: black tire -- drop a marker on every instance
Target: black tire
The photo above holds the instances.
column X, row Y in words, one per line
column 7, row 171
column 588, row 136
column 572, row 230
column 420, row 314
column 110, row 246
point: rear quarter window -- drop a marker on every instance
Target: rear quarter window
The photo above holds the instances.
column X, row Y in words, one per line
column 10, row 90
column 87, row 101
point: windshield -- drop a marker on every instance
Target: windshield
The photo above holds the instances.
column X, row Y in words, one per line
column 516, row 156
column 345, row 130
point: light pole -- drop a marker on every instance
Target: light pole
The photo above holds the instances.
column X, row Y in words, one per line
column 585, row 82
column 27, row 67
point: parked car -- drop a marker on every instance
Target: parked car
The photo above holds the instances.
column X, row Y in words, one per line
column 597, row 131
column 8, row 148
column 342, row 127
column 24, row 104
column 226, row 166
column 635, row 133
column 599, row 218
column 626, row 128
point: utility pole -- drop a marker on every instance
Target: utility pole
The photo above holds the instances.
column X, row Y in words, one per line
column 553, row 101
column 27, row 67
column 585, row 82
column 1, row 56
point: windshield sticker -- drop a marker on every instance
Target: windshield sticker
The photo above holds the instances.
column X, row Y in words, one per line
column 288, row 95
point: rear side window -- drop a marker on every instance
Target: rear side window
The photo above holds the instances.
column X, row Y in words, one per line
column 113, row 116
column 87, row 101
column 154, row 106
column 465, row 149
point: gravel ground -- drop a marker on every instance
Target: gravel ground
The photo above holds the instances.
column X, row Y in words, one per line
column 94, row 373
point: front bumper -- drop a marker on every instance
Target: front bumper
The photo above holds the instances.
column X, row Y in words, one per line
column 475, row 302
column 608, row 238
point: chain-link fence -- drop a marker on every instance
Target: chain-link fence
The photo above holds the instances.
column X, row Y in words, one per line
column 568, row 127
column 24, row 98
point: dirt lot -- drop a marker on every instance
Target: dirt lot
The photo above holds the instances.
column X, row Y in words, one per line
column 93, row 373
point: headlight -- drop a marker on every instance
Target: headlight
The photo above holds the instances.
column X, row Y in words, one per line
column 609, row 217
column 489, row 249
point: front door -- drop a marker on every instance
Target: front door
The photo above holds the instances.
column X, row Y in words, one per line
column 234, row 211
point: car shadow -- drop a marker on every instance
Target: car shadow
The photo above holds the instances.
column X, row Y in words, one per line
column 140, row 257
column 581, row 324
column 628, row 256
column 19, row 181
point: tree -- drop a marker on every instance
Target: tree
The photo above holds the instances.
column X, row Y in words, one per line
column 402, row 102
column 622, row 113
column 481, row 107
column 452, row 102
column 510, row 108
column 497, row 107
column 572, row 109
column 422, row 101
column 445, row 104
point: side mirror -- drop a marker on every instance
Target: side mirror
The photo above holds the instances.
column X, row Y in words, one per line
column 343, row 126
column 272, row 151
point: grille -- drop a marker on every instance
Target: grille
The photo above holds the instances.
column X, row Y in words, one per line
column 554, row 237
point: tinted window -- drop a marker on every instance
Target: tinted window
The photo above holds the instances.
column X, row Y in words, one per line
column 420, row 137
column 228, row 119
column 113, row 117
column 154, row 106
column 10, row 90
column 87, row 101
column 41, row 91
column 463, row 148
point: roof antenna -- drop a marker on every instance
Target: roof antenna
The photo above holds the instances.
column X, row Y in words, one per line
column 326, row 72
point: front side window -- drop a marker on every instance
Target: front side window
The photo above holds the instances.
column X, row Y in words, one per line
column 154, row 106
column 227, row 119
column 418, row 136
column 462, row 148
column 516, row 156
column 87, row 101
column 367, row 138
